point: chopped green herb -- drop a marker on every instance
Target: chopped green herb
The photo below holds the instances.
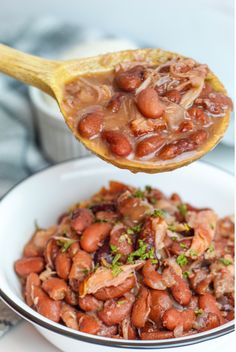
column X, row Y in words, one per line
column 186, row 274
column 138, row 194
column 36, row 226
column 96, row 267
column 153, row 200
column 158, row 213
column 181, row 259
column 148, row 188
column 142, row 252
column 115, row 265
column 211, row 248
column 113, row 248
column 119, row 303
column 182, row 245
column 124, row 238
column 193, row 253
column 65, row 244
column 101, row 220
column 212, row 226
column 225, row 261
column 154, row 261
column 182, row 209
column 86, row 271
column 172, row 228
column 136, row 228
column 174, row 238
column 198, row 311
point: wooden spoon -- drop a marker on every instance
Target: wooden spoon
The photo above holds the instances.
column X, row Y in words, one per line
column 51, row 77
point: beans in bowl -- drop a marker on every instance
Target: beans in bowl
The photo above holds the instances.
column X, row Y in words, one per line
column 133, row 264
column 144, row 112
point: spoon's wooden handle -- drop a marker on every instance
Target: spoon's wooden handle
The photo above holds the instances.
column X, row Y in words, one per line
column 27, row 68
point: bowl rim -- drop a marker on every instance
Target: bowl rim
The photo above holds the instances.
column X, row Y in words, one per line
column 35, row 318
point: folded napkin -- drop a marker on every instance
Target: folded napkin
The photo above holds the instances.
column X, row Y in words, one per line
column 19, row 152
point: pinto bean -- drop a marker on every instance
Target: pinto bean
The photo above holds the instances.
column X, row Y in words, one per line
column 119, row 144
column 45, row 305
column 89, row 303
column 115, row 102
column 69, row 316
column 132, row 208
column 32, row 280
column 82, row 263
column 149, row 145
column 94, row 235
column 131, row 79
column 103, row 253
column 25, row 266
column 50, row 252
column 151, row 277
column 181, row 291
column 156, row 335
column 37, row 243
column 149, row 104
column 89, row 324
column 107, row 331
column 55, row 288
column 208, row 304
column 114, row 312
column 160, row 302
column 212, row 321
column 71, row 297
column 173, row 95
column 91, row 124
column 111, row 292
column 63, row 265
column 73, row 249
column 197, row 114
column 141, row 308
column 80, row 219
column 122, row 241
column 186, row 126
column 176, row 248
column 108, row 216
column 173, row 318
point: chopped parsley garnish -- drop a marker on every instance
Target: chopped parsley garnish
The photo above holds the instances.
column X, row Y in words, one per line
column 154, row 261
column 186, row 274
column 158, row 213
column 138, row 194
column 193, row 253
column 182, row 209
column 36, row 226
column 101, row 220
column 182, row 260
column 119, row 303
column 225, row 262
column 198, row 311
column 124, row 238
column 174, row 238
column 115, row 265
column 134, row 229
column 142, row 252
column 113, row 248
column 172, row 228
column 182, row 245
column 86, row 271
column 211, row 248
column 148, row 188
column 65, row 244
column 212, row 226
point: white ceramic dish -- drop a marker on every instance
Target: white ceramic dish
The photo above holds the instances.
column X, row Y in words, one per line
column 48, row 193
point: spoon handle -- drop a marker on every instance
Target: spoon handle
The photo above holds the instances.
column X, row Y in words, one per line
column 27, row 68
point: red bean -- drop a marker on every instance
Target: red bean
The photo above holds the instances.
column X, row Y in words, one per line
column 141, row 308
column 118, row 143
column 207, row 302
column 173, row 95
column 80, row 219
column 94, row 235
column 89, row 303
column 45, row 305
column 91, row 125
column 149, row 104
column 197, row 114
column 148, row 145
column 186, row 126
column 130, row 79
column 173, row 318
column 25, row 266
column 63, row 265
column 181, row 291
column 160, row 302
column 55, row 288
column 115, row 102
column 115, row 291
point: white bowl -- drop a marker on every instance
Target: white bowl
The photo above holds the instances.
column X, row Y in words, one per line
column 45, row 195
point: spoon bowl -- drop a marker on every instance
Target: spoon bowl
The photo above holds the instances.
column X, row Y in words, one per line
column 51, row 76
